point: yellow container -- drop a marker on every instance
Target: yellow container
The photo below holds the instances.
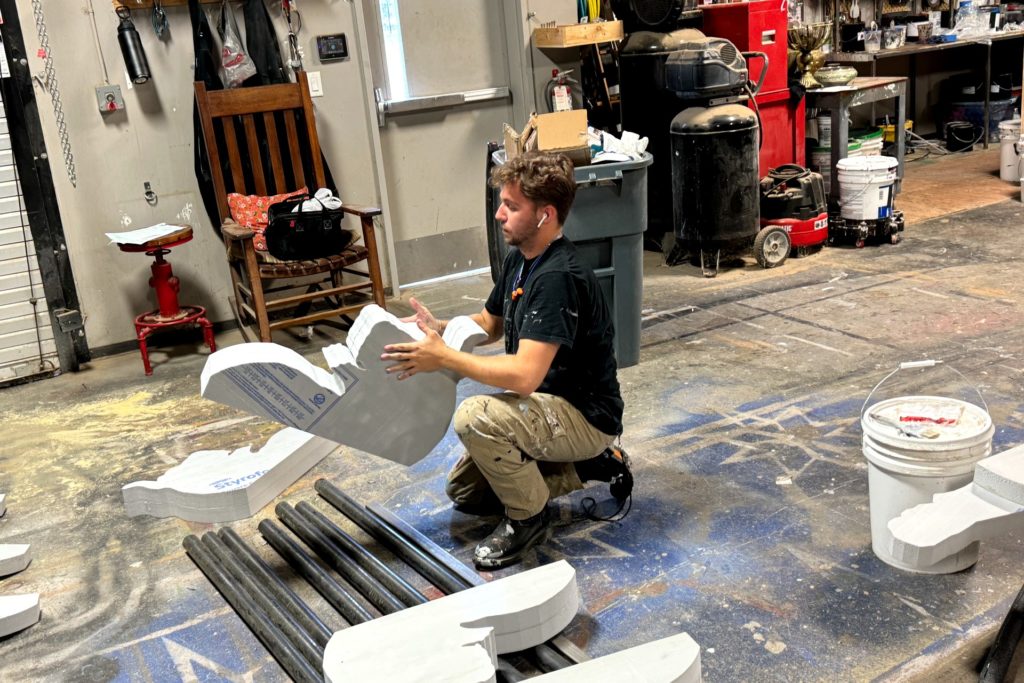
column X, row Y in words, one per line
column 889, row 130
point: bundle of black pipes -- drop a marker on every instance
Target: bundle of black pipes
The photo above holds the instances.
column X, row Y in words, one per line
column 293, row 634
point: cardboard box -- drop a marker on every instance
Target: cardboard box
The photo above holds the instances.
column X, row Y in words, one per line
column 564, row 132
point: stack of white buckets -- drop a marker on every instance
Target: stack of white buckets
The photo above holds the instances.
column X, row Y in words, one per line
column 821, row 156
column 1011, row 143
column 866, row 179
column 911, row 458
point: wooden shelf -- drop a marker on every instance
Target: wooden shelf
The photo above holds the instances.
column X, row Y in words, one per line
column 573, row 35
column 148, row 4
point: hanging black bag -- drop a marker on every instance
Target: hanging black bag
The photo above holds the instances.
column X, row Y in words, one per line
column 295, row 235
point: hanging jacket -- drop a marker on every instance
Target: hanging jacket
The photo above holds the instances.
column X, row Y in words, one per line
column 261, row 44
column 205, row 65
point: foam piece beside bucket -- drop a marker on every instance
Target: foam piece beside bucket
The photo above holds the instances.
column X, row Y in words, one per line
column 910, row 461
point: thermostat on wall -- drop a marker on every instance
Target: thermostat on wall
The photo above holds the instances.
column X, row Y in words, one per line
column 332, row 48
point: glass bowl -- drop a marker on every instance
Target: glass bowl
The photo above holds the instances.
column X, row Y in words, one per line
column 835, row 74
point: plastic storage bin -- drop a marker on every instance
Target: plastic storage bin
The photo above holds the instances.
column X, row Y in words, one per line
column 606, row 223
column 974, row 112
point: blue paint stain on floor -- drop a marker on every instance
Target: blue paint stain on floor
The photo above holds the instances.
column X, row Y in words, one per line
column 217, row 648
column 752, row 536
column 748, row 524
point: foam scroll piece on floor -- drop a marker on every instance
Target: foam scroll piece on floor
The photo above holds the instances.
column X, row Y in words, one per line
column 989, row 506
column 224, row 486
column 14, row 557
column 357, row 403
column 675, row 659
column 458, row 637
column 18, row 612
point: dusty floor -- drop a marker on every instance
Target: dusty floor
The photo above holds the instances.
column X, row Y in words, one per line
column 750, row 521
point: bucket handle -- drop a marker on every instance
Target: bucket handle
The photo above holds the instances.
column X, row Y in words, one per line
column 871, row 181
column 906, row 365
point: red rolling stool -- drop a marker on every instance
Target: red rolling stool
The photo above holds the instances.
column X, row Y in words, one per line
column 170, row 314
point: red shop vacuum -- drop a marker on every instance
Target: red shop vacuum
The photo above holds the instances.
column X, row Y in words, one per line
column 794, row 215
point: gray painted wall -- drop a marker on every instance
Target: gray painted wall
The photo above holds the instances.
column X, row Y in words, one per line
column 426, row 170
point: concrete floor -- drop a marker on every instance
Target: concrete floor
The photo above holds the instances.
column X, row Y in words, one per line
column 749, row 528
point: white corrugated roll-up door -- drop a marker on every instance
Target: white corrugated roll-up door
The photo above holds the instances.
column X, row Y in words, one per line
column 26, row 335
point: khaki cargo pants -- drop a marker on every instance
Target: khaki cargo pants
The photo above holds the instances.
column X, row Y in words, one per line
column 522, row 449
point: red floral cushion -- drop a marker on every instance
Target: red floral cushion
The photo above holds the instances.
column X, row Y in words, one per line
column 251, row 211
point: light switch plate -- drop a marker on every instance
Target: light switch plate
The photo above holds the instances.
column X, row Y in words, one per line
column 316, row 86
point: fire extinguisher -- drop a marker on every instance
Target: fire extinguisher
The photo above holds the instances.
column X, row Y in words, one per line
column 562, row 91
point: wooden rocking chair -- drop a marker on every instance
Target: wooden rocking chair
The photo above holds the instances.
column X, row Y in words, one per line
column 268, row 136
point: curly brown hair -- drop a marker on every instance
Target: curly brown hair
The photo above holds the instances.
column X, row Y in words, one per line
column 542, row 178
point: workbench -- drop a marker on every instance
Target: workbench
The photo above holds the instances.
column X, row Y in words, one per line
column 862, row 90
column 913, row 50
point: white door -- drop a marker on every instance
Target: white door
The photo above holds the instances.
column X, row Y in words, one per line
column 26, row 336
column 434, row 56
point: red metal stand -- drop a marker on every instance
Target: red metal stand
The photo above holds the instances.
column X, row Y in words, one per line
column 170, row 313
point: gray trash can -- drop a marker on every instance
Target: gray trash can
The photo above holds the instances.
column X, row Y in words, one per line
column 606, row 223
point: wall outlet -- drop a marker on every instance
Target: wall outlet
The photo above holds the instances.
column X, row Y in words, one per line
column 108, row 98
column 316, row 86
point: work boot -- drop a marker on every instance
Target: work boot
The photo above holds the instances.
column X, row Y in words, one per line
column 612, row 466
column 511, row 540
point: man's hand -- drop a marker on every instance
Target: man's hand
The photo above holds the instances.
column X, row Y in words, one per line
column 425, row 355
column 423, row 315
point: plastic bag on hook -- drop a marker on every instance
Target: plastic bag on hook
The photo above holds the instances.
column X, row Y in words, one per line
column 236, row 63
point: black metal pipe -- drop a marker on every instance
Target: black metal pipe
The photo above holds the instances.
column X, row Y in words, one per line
column 548, row 656
column 508, row 673
column 426, row 566
column 467, row 576
column 1000, row 655
column 333, row 592
column 276, row 643
column 368, row 587
column 292, row 629
column 273, row 583
column 548, row 659
column 394, row 583
column 441, row 570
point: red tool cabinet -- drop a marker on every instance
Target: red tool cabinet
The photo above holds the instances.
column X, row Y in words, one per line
column 760, row 26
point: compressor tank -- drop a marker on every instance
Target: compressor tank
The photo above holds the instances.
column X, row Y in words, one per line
column 715, row 180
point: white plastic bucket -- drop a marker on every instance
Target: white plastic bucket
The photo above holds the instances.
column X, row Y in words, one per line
column 906, row 470
column 1009, row 157
column 866, row 187
column 824, row 130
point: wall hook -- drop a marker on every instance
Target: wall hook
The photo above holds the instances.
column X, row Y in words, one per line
column 151, row 197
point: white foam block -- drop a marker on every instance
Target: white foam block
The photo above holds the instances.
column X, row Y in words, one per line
column 989, row 506
column 1003, row 474
column 224, row 486
column 457, row 638
column 14, row 557
column 18, row 612
column 675, row 659
column 356, row 404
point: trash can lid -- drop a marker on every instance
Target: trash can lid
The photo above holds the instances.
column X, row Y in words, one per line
column 723, row 118
column 641, row 43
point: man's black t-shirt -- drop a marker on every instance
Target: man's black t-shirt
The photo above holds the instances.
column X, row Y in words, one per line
column 561, row 302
